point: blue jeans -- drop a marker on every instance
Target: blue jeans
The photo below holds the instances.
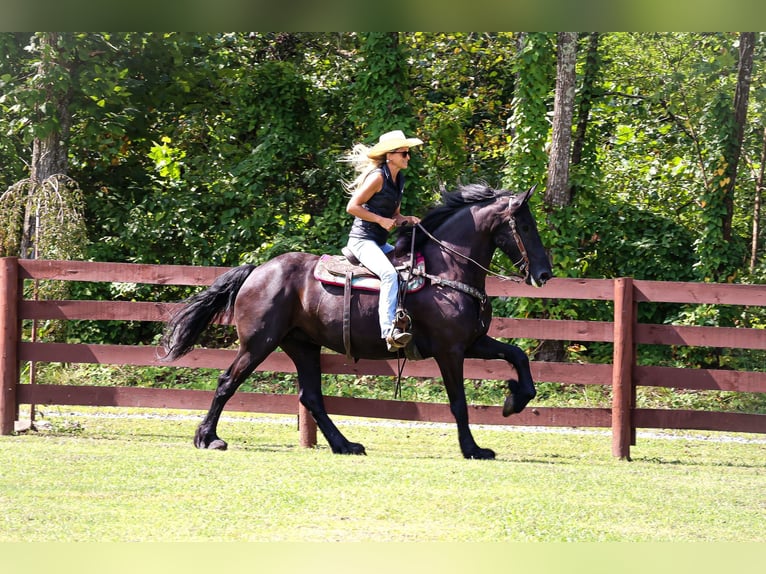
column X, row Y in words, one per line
column 373, row 256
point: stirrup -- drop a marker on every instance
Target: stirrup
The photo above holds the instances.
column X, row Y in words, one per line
column 398, row 339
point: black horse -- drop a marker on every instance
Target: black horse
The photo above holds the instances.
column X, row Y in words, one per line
column 280, row 303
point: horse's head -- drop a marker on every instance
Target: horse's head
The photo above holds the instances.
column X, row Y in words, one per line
column 519, row 239
column 475, row 219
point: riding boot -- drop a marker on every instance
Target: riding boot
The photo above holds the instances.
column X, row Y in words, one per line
column 397, row 339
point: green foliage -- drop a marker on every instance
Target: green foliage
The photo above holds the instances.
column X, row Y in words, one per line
column 669, row 104
column 382, row 100
column 610, row 240
column 621, row 240
column 12, row 150
column 53, row 210
column 219, row 148
column 260, row 118
column 529, row 127
column 464, row 83
column 713, row 357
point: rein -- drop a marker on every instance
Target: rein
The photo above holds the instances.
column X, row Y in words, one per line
column 523, row 264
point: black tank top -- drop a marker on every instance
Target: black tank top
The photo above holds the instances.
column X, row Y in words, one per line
column 383, row 203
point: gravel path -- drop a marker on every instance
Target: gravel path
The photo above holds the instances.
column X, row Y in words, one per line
column 714, row 437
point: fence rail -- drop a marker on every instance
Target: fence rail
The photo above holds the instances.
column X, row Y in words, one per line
column 623, row 374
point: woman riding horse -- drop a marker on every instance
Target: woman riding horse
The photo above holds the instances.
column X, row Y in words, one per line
column 281, row 304
column 376, row 196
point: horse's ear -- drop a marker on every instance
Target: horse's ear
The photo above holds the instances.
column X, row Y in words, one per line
column 522, row 198
column 529, row 193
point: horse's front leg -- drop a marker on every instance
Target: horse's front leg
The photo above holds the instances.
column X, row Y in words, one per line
column 521, row 391
column 451, row 366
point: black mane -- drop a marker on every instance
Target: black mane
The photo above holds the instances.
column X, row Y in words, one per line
column 451, row 202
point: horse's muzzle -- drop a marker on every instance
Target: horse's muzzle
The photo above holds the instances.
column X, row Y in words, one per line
column 539, row 279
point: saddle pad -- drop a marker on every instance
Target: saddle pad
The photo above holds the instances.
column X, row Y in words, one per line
column 331, row 270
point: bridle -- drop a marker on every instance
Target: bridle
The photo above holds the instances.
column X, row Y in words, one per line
column 523, row 263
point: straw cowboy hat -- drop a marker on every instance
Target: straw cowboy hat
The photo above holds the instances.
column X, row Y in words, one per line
column 390, row 141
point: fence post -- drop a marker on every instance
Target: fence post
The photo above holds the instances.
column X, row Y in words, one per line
column 307, row 427
column 9, row 342
column 622, row 370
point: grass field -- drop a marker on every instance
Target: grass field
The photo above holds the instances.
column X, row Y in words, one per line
column 99, row 475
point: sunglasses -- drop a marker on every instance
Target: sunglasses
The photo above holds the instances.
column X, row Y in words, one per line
column 403, row 153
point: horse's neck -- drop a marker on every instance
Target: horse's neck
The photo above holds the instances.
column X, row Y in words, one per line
column 462, row 244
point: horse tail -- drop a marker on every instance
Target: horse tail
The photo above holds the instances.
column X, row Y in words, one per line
column 186, row 325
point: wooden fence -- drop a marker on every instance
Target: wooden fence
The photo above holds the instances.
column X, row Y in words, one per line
column 624, row 374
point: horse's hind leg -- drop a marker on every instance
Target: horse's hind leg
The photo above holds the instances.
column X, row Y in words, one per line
column 306, row 357
column 228, row 382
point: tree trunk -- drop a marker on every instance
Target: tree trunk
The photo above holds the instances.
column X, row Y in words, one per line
column 587, row 95
column 49, row 153
column 741, row 96
column 557, row 192
column 759, row 183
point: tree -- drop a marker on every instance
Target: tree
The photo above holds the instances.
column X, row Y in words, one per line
column 53, row 119
column 382, row 101
column 462, row 85
column 583, row 164
column 558, row 190
column 209, row 148
column 14, row 154
column 734, row 147
column 718, row 255
column 45, row 211
column 760, row 183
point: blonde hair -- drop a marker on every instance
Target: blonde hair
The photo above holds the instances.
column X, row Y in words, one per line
column 362, row 164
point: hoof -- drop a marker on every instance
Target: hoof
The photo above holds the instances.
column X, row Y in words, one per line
column 217, row 444
column 209, row 443
column 481, row 454
column 350, row 448
column 508, row 406
column 516, row 399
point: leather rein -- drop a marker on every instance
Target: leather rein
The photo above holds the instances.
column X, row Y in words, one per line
column 523, row 264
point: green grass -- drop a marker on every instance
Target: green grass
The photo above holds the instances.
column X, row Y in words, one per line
column 130, row 475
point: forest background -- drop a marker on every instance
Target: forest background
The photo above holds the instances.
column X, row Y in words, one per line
column 648, row 150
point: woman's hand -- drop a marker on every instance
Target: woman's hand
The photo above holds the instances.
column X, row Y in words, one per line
column 387, row 224
column 407, row 220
